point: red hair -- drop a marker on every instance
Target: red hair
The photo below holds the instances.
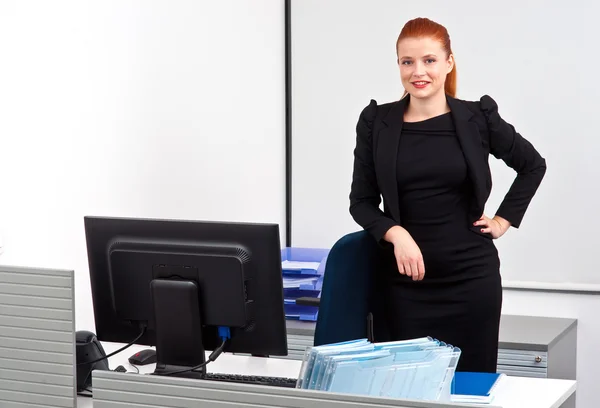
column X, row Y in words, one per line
column 423, row 27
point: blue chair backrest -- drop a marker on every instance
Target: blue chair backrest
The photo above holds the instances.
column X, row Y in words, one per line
column 349, row 287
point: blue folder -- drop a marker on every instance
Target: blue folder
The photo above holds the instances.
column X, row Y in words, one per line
column 475, row 384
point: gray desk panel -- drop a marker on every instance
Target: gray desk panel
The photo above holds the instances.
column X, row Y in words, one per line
column 27, row 398
column 39, row 302
column 41, row 356
column 37, row 338
column 119, row 390
column 36, row 312
column 35, row 290
column 19, row 405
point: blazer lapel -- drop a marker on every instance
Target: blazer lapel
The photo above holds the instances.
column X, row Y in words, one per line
column 387, row 156
column 467, row 133
column 389, row 141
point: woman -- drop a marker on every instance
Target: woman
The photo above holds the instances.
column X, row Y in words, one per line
column 426, row 155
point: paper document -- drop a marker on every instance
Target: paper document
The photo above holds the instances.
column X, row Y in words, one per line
column 300, row 265
column 289, row 283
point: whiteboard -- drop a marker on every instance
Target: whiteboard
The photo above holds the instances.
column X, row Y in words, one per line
column 537, row 59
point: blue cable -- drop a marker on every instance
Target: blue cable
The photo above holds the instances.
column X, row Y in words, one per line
column 224, row 333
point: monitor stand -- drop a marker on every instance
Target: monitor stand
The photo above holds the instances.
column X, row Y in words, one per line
column 178, row 327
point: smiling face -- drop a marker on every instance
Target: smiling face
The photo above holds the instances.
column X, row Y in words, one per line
column 424, row 65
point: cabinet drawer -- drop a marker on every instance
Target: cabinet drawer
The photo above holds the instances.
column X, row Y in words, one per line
column 524, row 362
column 523, row 371
column 303, row 341
column 297, row 345
column 523, row 358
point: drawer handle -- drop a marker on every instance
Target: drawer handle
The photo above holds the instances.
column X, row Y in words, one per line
column 538, row 359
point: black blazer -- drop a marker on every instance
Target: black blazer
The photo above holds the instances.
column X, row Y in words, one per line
column 480, row 130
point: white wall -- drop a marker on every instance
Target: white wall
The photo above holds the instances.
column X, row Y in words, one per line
column 532, row 57
column 171, row 109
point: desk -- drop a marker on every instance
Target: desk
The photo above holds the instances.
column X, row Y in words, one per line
column 529, row 346
column 512, row 392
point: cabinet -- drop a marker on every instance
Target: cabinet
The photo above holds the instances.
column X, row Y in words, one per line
column 532, row 346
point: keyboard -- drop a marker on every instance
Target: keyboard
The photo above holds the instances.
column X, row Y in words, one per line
column 252, row 379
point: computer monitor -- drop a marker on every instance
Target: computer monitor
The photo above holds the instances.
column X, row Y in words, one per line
column 179, row 281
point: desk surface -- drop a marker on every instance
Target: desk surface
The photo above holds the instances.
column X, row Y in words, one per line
column 512, row 392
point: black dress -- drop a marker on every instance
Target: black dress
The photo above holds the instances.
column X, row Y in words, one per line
column 460, row 298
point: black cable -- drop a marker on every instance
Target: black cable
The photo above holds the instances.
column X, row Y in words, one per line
column 118, row 351
column 213, row 356
column 370, row 332
column 83, row 394
column 136, row 369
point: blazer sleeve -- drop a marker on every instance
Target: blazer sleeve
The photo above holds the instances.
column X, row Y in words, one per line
column 365, row 196
column 518, row 153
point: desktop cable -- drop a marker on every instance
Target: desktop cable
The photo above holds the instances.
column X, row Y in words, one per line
column 87, row 393
column 236, row 378
column 225, row 335
column 116, row 352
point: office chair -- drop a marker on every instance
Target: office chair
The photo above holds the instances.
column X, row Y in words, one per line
column 349, row 306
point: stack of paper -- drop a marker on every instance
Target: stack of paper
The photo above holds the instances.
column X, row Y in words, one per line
column 300, row 266
column 420, row 368
column 300, row 282
column 303, row 270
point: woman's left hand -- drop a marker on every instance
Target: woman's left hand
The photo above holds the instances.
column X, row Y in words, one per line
column 496, row 226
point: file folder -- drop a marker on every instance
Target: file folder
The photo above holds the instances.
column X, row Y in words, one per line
column 324, row 358
column 421, row 368
column 308, row 362
column 354, row 374
column 475, row 387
